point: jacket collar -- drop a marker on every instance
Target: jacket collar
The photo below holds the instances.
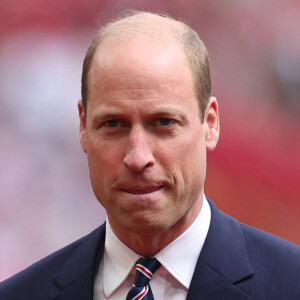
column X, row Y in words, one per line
column 75, row 278
column 223, row 261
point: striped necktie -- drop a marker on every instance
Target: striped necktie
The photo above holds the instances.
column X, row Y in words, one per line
column 145, row 268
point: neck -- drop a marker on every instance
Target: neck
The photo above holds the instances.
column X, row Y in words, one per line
column 149, row 244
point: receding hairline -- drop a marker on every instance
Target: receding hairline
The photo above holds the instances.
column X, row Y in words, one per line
column 160, row 27
column 157, row 25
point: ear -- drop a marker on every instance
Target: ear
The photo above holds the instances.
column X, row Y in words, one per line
column 82, row 127
column 211, row 122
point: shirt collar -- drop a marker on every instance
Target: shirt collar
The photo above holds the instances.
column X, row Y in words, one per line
column 179, row 257
column 118, row 260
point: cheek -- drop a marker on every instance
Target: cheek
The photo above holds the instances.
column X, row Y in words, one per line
column 186, row 153
column 104, row 155
column 103, row 167
column 188, row 161
column 104, row 162
column 175, row 160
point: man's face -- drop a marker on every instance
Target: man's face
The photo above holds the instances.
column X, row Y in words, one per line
column 144, row 140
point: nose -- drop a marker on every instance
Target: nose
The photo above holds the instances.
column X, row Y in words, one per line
column 139, row 151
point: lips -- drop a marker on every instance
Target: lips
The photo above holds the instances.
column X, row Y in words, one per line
column 137, row 190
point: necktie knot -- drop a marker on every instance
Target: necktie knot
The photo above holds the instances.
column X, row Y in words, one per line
column 145, row 268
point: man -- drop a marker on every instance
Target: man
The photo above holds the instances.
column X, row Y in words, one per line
column 146, row 121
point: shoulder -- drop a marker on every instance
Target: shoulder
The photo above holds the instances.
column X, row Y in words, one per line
column 38, row 278
column 259, row 244
column 271, row 250
column 258, row 262
column 276, row 264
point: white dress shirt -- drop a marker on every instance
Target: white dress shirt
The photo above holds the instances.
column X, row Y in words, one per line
column 171, row 281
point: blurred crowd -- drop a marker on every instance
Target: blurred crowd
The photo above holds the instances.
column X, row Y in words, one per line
column 45, row 196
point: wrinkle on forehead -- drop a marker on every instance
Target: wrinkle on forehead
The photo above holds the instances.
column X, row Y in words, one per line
column 140, row 49
column 140, row 64
column 139, row 89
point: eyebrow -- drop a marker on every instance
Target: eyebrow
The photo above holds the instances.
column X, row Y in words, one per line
column 169, row 112
column 103, row 116
column 159, row 112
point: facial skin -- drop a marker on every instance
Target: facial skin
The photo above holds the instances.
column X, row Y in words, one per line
column 144, row 140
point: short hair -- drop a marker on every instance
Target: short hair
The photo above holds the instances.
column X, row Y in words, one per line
column 160, row 26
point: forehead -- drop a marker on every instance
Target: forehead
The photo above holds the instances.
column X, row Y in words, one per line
column 141, row 58
column 140, row 49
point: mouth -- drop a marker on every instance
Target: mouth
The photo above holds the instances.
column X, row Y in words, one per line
column 138, row 190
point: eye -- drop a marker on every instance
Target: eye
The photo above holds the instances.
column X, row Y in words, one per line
column 112, row 123
column 164, row 121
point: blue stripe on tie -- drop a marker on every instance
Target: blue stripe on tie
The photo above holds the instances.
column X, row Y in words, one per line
column 145, row 268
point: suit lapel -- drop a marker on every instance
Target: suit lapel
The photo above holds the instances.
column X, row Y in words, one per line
column 223, row 261
column 222, row 264
column 75, row 278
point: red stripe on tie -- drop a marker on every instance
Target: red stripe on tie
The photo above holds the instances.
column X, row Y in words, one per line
column 145, row 271
column 142, row 294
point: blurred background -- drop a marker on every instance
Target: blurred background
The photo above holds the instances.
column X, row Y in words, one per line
column 46, row 200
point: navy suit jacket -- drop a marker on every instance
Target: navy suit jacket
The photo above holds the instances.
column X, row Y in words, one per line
column 237, row 262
